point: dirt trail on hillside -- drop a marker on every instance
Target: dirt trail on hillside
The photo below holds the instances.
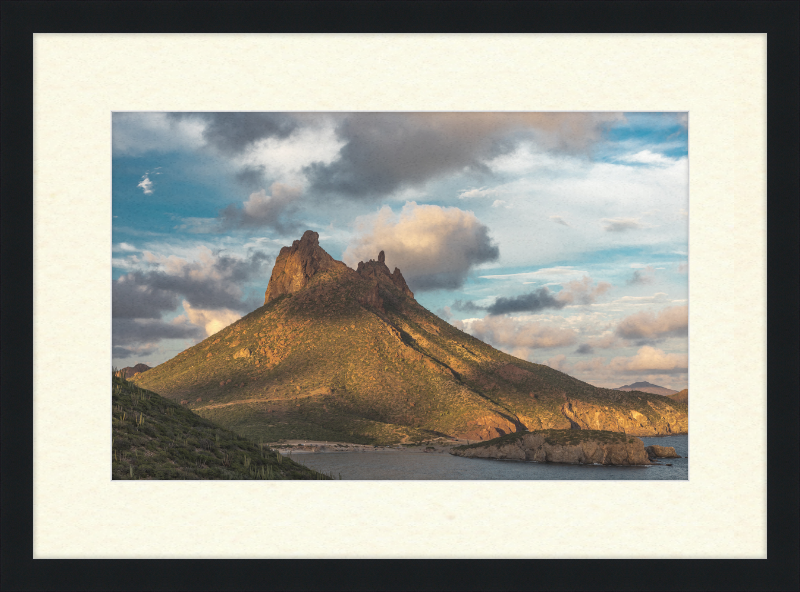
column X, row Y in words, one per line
column 243, row 401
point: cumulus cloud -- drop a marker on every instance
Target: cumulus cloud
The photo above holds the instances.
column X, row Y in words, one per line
column 146, row 184
column 558, row 362
column 514, row 333
column 262, row 210
column 384, row 152
column 210, row 320
column 583, row 291
column 621, row 224
column 434, row 247
column 669, row 322
column 133, row 134
column 650, row 359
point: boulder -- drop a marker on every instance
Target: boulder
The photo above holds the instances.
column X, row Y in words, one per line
column 656, row 451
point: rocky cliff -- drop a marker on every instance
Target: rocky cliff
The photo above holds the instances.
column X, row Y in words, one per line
column 659, row 420
column 131, row 371
column 562, row 446
column 296, row 265
column 657, row 451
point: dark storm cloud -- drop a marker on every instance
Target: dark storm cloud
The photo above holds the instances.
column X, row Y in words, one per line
column 384, row 152
column 148, row 294
column 584, row 348
column 132, row 299
column 535, row 301
column 128, row 332
column 120, row 352
column 232, row 133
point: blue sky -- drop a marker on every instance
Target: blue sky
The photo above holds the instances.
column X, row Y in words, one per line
column 560, row 238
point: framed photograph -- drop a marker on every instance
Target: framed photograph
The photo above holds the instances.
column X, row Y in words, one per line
column 531, row 154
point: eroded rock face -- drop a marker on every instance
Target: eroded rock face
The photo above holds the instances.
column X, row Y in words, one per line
column 656, row 451
column 377, row 269
column 296, row 265
column 595, row 417
column 589, row 450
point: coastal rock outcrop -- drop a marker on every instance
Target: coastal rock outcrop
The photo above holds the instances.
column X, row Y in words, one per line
column 561, row 446
column 657, row 451
column 659, row 420
column 296, row 265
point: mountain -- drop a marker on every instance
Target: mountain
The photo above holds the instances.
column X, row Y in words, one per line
column 345, row 354
column 131, row 371
column 154, row 438
column 646, row 387
column 681, row 397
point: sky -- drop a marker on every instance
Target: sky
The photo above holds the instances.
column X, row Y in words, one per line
column 560, row 238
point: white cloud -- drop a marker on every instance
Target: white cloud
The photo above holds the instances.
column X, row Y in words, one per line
column 650, row 359
column 498, row 203
column 434, row 247
column 510, row 332
column 648, row 157
column 481, row 192
column 671, row 321
column 210, row 320
column 146, row 184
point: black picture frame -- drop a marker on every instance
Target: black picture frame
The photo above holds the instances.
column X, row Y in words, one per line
column 20, row 20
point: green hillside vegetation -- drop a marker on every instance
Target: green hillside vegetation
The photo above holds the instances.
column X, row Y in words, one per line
column 353, row 357
column 155, row 438
column 557, row 437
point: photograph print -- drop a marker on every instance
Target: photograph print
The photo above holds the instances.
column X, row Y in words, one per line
column 408, row 296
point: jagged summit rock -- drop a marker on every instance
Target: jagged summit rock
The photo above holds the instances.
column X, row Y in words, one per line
column 296, row 265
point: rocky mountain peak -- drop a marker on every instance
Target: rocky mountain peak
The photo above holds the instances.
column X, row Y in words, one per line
column 375, row 269
column 296, row 265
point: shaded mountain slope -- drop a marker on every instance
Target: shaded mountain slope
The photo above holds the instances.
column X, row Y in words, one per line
column 153, row 438
column 349, row 355
column 681, row 397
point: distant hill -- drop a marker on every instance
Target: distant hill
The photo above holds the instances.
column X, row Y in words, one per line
column 646, row 387
column 681, row 397
column 349, row 355
column 154, row 438
column 131, row 371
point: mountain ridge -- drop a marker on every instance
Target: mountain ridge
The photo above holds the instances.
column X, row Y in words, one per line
column 646, row 387
column 350, row 355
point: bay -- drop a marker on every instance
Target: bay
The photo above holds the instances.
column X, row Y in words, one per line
column 407, row 465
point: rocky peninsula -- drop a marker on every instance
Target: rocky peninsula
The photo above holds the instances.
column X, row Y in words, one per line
column 561, row 446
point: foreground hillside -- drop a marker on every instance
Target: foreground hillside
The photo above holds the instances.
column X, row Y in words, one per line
column 349, row 355
column 153, row 438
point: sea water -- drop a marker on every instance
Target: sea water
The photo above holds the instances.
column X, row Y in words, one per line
column 404, row 465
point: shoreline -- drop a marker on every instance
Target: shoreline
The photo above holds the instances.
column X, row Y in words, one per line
column 327, row 447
